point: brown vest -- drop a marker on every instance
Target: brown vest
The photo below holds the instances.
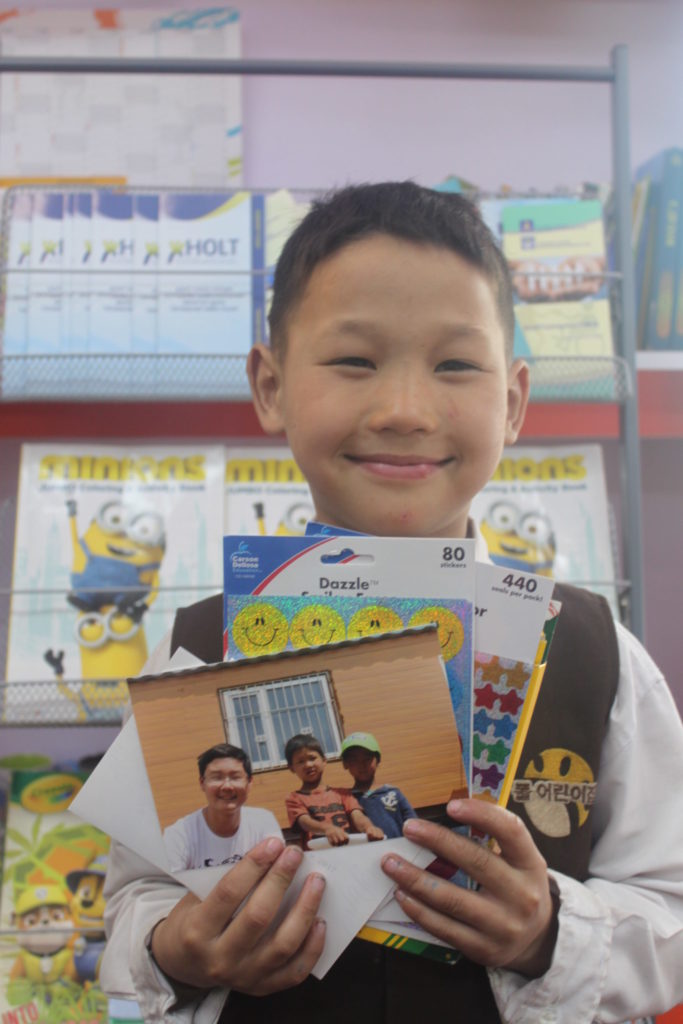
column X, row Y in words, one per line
column 553, row 794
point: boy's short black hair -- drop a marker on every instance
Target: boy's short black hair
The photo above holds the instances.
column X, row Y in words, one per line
column 302, row 742
column 398, row 208
column 223, row 750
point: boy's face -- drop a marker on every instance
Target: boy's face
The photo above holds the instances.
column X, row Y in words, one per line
column 308, row 765
column 361, row 763
column 394, row 389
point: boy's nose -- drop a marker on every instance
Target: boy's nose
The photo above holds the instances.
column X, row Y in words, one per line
column 404, row 402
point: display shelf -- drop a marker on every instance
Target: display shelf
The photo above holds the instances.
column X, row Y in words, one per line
column 12, row 933
column 660, row 362
column 589, row 412
column 660, row 387
column 60, row 420
column 203, row 377
column 71, row 702
column 661, row 416
column 660, row 405
column 123, row 377
column 615, row 75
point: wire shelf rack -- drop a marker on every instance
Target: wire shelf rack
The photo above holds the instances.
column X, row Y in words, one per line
column 210, row 377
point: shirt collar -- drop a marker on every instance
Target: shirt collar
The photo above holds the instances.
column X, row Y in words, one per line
column 481, row 551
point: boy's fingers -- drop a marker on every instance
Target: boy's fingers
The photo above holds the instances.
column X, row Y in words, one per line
column 219, row 907
column 474, row 942
column 294, row 931
column 458, row 934
column 300, row 964
column 477, row 859
column 444, row 897
column 454, row 902
column 514, row 839
column 258, row 912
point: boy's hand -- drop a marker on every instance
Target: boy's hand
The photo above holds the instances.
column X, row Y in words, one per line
column 511, row 920
column 201, row 943
column 336, row 836
column 374, row 833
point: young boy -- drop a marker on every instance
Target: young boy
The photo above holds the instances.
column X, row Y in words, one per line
column 319, row 810
column 385, row 806
column 391, row 372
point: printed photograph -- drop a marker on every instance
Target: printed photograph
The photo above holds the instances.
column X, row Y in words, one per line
column 298, row 744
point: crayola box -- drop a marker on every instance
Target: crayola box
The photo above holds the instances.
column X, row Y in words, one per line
column 294, row 592
column 52, row 905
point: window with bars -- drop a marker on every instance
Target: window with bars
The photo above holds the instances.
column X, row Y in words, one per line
column 261, row 718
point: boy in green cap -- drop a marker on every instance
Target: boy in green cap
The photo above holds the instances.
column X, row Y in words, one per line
column 385, row 805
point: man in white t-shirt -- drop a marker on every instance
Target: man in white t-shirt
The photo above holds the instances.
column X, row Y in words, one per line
column 224, row 830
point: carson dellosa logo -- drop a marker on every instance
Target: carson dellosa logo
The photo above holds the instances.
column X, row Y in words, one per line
column 242, row 562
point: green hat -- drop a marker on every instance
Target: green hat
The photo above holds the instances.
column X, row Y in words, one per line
column 361, row 739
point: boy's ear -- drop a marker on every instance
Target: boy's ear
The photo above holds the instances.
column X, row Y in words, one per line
column 265, row 379
column 517, row 399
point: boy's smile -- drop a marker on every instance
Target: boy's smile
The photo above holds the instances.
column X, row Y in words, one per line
column 226, row 786
column 394, row 389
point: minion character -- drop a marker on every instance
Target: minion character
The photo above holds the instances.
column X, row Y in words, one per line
column 114, row 580
column 117, row 560
column 87, row 906
column 519, row 540
column 45, row 925
column 292, row 523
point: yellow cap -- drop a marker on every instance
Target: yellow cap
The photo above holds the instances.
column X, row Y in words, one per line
column 40, row 896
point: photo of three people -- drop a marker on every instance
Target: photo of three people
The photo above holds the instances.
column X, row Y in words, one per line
column 226, row 828
column 222, row 741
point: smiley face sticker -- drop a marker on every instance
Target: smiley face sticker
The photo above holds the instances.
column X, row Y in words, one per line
column 316, row 624
column 450, row 630
column 376, row 618
column 260, row 629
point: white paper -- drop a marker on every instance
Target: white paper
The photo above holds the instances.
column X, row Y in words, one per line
column 509, row 620
column 118, row 799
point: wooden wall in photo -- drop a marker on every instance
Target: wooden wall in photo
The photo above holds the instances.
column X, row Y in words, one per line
column 393, row 686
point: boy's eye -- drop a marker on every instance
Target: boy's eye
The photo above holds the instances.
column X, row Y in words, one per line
column 453, row 366
column 359, row 361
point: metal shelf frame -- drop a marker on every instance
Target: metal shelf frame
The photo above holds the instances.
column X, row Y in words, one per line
column 614, row 75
